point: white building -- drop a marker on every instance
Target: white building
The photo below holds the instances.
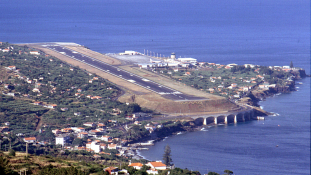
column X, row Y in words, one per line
column 34, row 53
column 129, row 52
column 187, row 60
column 78, row 129
column 231, row 65
column 158, row 165
column 30, row 139
column 95, row 146
column 137, row 166
column 61, row 140
column 89, row 124
column 106, row 138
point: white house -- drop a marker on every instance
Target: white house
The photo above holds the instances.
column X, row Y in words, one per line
column 106, row 138
column 89, row 124
column 231, row 65
column 61, row 139
column 11, row 67
column 34, row 53
column 158, row 165
column 95, row 147
column 30, row 139
column 77, row 113
column 82, row 135
column 5, row 50
column 137, row 166
column 112, row 146
column 51, row 106
column 35, row 90
column 152, row 171
column 78, row 129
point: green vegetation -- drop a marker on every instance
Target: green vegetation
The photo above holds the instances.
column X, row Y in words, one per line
column 291, row 65
column 50, row 170
column 178, row 171
column 228, row 172
column 167, row 158
column 41, row 93
column 46, row 79
column 218, row 79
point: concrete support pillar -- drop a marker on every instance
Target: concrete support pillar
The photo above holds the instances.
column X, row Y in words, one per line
column 235, row 119
column 226, row 120
column 243, row 118
column 204, row 121
column 252, row 114
column 215, row 120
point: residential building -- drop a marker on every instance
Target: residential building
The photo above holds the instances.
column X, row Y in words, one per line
column 30, row 139
column 34, row 53
column 78, row 129
column 82, row 135
column 89, row 124
column 61, row 139
column 137, row 166
column 158, row 165
column 112, row 146
column 106, row 138
column 112, row 170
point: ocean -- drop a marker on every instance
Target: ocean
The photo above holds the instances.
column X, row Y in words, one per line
column 278, row 145
column 259, row 32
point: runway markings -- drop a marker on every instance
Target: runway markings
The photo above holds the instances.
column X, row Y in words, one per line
column 120, row 76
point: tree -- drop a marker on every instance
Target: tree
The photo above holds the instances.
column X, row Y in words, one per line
column 291, row 64
column 77, row 142
column 167, row 156
column 228, row 172
column 11, row 152
column 4, row 166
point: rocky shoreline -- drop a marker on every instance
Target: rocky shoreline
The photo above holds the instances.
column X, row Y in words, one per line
column 253, row 99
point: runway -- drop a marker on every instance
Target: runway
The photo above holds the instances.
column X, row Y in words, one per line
column 164, row 91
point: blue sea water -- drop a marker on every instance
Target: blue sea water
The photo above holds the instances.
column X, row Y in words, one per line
column 260, row 32
column 250, row 147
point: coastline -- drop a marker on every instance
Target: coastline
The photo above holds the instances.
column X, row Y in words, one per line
column 258, row 100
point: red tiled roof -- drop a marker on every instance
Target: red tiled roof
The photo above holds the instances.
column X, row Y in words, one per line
column 157, row 164
column 30, row 138
column 136, row 164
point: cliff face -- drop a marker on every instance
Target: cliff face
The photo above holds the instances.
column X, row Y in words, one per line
column 299, row 74
column 256, row 95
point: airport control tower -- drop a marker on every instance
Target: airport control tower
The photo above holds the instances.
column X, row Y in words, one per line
column 173, row 56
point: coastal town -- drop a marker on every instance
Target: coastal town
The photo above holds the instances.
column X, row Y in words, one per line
column 231, row 80
column 79, row 114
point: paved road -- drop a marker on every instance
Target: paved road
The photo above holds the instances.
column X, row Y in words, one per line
column 164, row 91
